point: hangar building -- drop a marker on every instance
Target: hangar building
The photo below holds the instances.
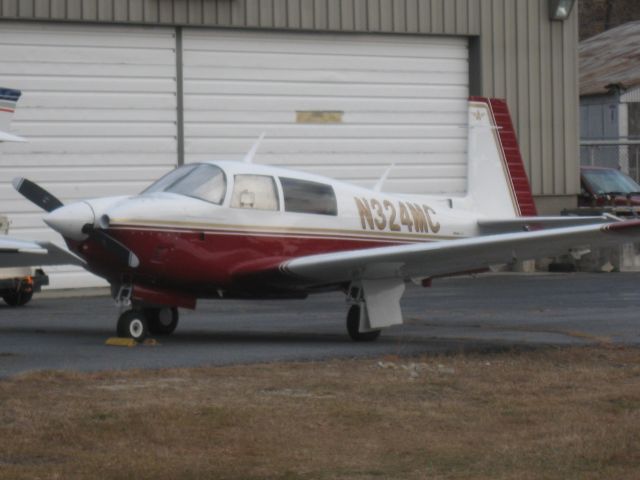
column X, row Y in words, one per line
column 117, row 92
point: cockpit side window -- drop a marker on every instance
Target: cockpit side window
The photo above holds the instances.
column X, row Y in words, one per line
column 202, row 181
column 303, row 196
column 255, row 191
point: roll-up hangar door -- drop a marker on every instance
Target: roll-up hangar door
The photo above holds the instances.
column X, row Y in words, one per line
column 345, row 106
column 99, row 111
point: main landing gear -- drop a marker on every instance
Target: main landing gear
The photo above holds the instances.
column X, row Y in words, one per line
column 358, row 326
column 353, row 326
column 138, row 323
column 375, row 304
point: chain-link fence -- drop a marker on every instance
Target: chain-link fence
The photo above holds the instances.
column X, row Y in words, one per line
column 624, row 155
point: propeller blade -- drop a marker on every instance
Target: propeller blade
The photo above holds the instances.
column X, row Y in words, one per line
column 36, row 194
column 110, row 243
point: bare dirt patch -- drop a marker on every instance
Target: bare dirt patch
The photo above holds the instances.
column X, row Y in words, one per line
column 553, row 413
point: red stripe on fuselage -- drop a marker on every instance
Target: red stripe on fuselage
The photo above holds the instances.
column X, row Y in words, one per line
column 209, row 260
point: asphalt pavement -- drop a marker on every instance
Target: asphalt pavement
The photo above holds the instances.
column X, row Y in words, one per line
column 458, row 314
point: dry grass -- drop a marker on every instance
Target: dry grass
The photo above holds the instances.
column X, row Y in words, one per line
column 566, row 413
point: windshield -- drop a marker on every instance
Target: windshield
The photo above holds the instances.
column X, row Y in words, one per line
column 203, row 181
column 610, row 181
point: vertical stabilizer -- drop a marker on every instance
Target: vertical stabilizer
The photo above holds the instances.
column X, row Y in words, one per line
column 8, row 100
column 498, row 184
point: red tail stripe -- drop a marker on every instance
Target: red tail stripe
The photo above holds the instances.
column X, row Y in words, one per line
column 513, row 158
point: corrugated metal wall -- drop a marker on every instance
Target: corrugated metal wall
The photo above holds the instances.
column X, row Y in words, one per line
column 398, row 99
column 99, row 110
column 522, row 55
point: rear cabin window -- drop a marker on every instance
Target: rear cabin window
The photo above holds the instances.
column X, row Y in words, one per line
column 254, row 191
column 302, row 196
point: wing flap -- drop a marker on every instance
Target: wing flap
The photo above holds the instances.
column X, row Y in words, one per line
column 449, row 257
column 519, row 224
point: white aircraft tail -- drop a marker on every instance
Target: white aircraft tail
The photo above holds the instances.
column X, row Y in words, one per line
column 8, row 100
column 498, row 186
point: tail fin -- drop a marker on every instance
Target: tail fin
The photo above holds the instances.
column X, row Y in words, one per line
column 8, row 100
column 498, row 185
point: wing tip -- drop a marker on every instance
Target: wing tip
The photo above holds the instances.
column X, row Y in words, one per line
column 623, row 226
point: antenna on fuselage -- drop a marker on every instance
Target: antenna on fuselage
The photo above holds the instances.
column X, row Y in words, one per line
column 383, row 178
column 248, row 158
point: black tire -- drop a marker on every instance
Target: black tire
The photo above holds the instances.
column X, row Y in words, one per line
column 353, row 327
column 17, row 298
column 162, row 321
column 133, row 324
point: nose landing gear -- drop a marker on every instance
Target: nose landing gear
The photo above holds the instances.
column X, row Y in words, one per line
column 139, row 322
column 133, row 324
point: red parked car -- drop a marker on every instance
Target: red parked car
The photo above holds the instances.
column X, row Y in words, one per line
column 607, row 187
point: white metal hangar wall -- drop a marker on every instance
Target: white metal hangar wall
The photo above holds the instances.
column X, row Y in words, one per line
column 345, row 106
column 99, row 111
column 103, row 107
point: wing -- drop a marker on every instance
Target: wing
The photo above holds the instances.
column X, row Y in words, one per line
column 450, row 257
column 12, row 245
column 23, row 253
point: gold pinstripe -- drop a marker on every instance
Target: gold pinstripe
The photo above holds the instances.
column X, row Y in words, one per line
column 275, row 230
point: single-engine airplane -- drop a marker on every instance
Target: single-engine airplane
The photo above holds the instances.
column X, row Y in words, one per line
column 230, row 229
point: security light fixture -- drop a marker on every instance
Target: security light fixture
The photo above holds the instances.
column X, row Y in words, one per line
column 560, row 9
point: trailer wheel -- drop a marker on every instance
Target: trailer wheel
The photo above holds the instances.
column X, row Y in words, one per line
column 17, row 298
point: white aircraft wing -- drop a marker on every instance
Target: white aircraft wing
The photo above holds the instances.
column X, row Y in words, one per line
column 450, row 257
column 9, row 244
column 24, row 253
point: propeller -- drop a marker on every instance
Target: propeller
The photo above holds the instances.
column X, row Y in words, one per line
column 67, row 220
column 108, row 242
column 36, row 194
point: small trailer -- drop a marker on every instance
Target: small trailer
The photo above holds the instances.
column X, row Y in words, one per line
column 17, row 284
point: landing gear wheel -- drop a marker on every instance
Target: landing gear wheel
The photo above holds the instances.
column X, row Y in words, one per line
column 162, row 321
column 17, row 298
column 353, row 327
column 133, row 324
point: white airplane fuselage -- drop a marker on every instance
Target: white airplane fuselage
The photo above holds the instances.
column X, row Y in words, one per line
column 201, row 248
